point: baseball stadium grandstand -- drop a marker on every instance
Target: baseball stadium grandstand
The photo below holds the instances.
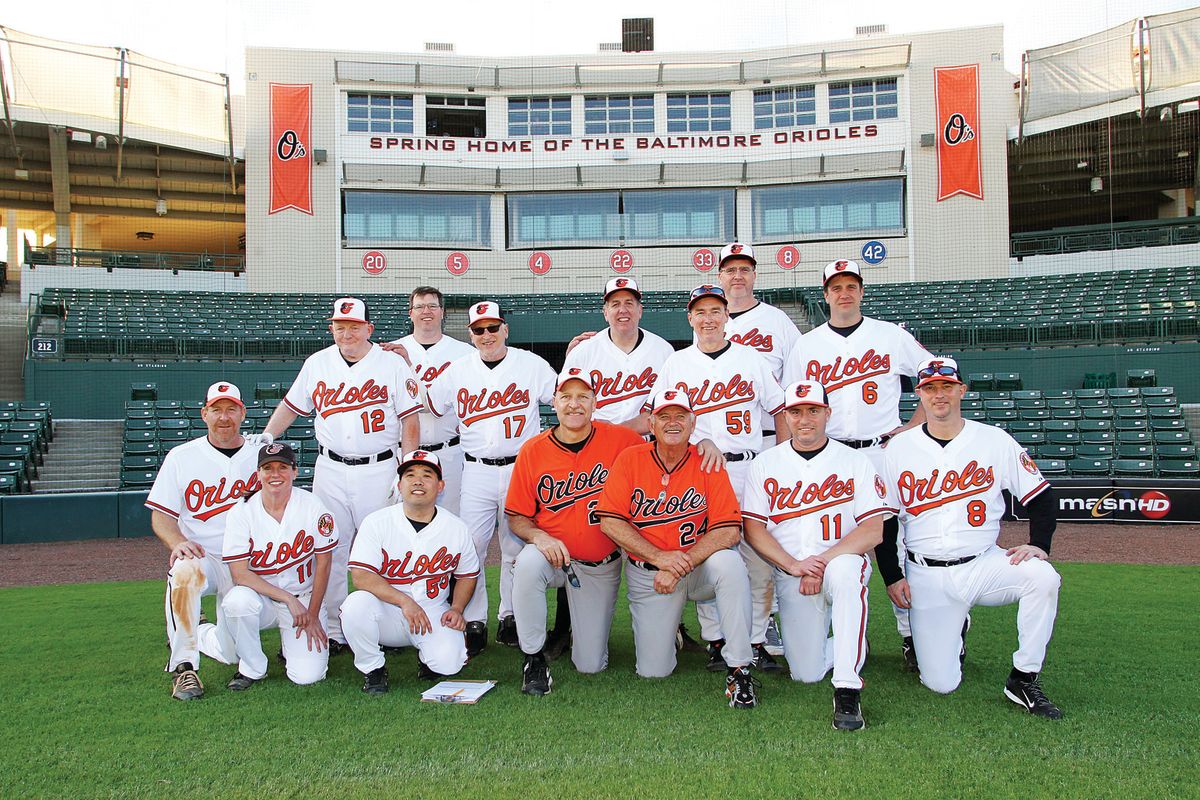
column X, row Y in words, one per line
column 158, row 237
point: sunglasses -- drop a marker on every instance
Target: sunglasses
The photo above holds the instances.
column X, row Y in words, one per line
column 706, row 291
column 482, row 329
column 930, row 372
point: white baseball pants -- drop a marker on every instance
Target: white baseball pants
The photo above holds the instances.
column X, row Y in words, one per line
column 370, row 623
column 484, row 490
column 188, row 580
column 806, row 619
column 236, row 637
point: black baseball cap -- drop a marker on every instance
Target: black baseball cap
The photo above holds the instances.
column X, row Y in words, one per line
column 277, row 451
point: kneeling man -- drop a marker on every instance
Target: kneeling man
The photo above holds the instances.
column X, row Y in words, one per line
column 814, row 508
column 402, row 561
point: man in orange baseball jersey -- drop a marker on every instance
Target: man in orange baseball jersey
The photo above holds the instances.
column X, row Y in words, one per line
column 678, row 525
column 814, row 508
column 555, row 487
column 860, row 361
column 365, row 403
column 494, row 394
column 198, row 483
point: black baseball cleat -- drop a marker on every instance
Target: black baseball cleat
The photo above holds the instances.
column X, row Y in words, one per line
column 476, row 636
column 240, row 683
column 1024, row 689
column 377, row 681
column 684, row 641
column 716, row 661
column 962, row 650
column 424, row 673
column 740, row 688
column 336, row 648
column 763, row 660
column 847, row 710
column 910, row 655
column 535, row 675
column 557, row 643
column 186, row 685
column 506, row 634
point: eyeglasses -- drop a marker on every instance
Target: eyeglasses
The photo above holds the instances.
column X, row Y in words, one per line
column 736, row 270
column 931, row 372
column 425, row 306
column 482, row 329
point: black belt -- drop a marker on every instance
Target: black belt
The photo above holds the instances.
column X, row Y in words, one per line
column 608, row 559
column 354, row 462
column 491, row 462
column 646, row 565
column 933, row 562
column 433, row 448
column 739, row 456
column 859, row 444
column 768, row 433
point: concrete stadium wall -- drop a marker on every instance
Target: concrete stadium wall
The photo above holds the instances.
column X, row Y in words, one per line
column 68, row 517
column 35, row 280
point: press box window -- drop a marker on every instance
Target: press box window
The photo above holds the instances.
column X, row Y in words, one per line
column 539, row 116
column 463, row 117
column 416, row 219
column 830, row 210
column 786, row 107
column 698, row 113
column 605, row 115
column 858, row 101
column 379, row 113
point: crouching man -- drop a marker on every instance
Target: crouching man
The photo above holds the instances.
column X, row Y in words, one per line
column 401, row 563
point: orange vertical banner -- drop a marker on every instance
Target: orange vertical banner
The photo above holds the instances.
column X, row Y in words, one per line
column 956, row 93
column 291, row 165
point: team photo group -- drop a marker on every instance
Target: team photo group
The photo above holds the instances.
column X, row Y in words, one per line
column 754, row 473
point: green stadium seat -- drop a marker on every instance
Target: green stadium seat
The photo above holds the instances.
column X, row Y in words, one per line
column 1136, row 451
column 1135, row 437
column 1183, row 452
column 1088, row 450
column 169, row 413
column 174, row 424
column 1164, row 412
column 143, row 391
column 1157, row 391
column 1008, row 381
column 268, row 391
column 305, row 475
column 1132, row 468
column 1035, row 413
column 1132, row 413
column 981, row 382
column 137, row 479
column 174, row 434
column 19, row 468
column 1089, row 393
column 1156, row 423
column 1060, row 451
column 1179, row 469
column 1088, row 467
column 1058, row 394
column 139, row 462
column 1052, row 466
column 1141, row 377
column 1066, row 413
column 1172, row 437
column 141, row 448
column 1098, row 437
column 1095, row 425
column 8, row 483
column 1024, row 403
column 1122, row 391
column 167, row 405
column 976, row 414
column 1029, row 439
column 1099, row 413
column 1050, row 425
column 1126, row 402
column 1134, row 424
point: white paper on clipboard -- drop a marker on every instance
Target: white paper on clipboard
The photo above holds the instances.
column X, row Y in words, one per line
column 465, row 692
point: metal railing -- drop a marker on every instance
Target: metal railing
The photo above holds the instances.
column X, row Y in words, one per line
column 1115, row 236
column 134, row 259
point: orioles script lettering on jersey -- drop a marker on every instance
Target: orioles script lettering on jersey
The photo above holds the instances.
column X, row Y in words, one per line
column 426, row 374
column 645, row 510
column 932, row 492
column 334, row 401
column 264, row 561
column 838, row 374
column 473, row 407
column 832, row 491
column 408, row 569
column 215, row 498
column 621, row 386
column 752, row 338
column 558, row 494
column 714, row 395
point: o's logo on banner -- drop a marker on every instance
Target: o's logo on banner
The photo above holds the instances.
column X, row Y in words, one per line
column 787, row 256
column 457, row 263
column 704, row 259
column 374, row 262
column 539, row 263
column 621, row 261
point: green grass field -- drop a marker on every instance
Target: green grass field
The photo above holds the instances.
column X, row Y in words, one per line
column 87, row 712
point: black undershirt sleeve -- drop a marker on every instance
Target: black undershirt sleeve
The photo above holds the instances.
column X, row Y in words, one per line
column 1043, row 518
column 886, row 557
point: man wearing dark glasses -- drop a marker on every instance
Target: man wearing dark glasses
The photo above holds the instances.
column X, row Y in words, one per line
column 860, row 361
column 948, row 476
column 494, row 394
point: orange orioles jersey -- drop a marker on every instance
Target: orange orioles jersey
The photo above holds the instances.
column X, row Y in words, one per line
column 559, row 489
column 671, row 509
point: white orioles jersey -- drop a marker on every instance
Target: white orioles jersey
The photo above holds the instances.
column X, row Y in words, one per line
column 358, row 407
column 284, row 554
column 623, row 380
column 419, row 563
column 768, row 330
column 198, row 485
column 861, row 372
column 496, row 408
column 427, row 364
column 809, row 504
column 951, row 497
column 729, row 394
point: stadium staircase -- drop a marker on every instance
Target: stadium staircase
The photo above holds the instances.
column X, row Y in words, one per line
column 86, row 457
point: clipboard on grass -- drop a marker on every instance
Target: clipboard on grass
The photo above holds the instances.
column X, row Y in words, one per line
column 457, row 692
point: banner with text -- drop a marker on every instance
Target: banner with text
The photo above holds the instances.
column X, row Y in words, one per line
column 960, row 168
column 1123, row 500
column 291, row 162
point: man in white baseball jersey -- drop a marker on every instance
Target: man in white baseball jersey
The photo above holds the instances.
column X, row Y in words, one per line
column 365, row 403
column 494, row 395
column 678, row 525
column 860, row 361
column 279, row 546
column 814, row 508
column 948, row 477
column 197, row 484
column 731, row 389
column 402, row 563
column 623, row 360
column 552, row 497
column 429, row 352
